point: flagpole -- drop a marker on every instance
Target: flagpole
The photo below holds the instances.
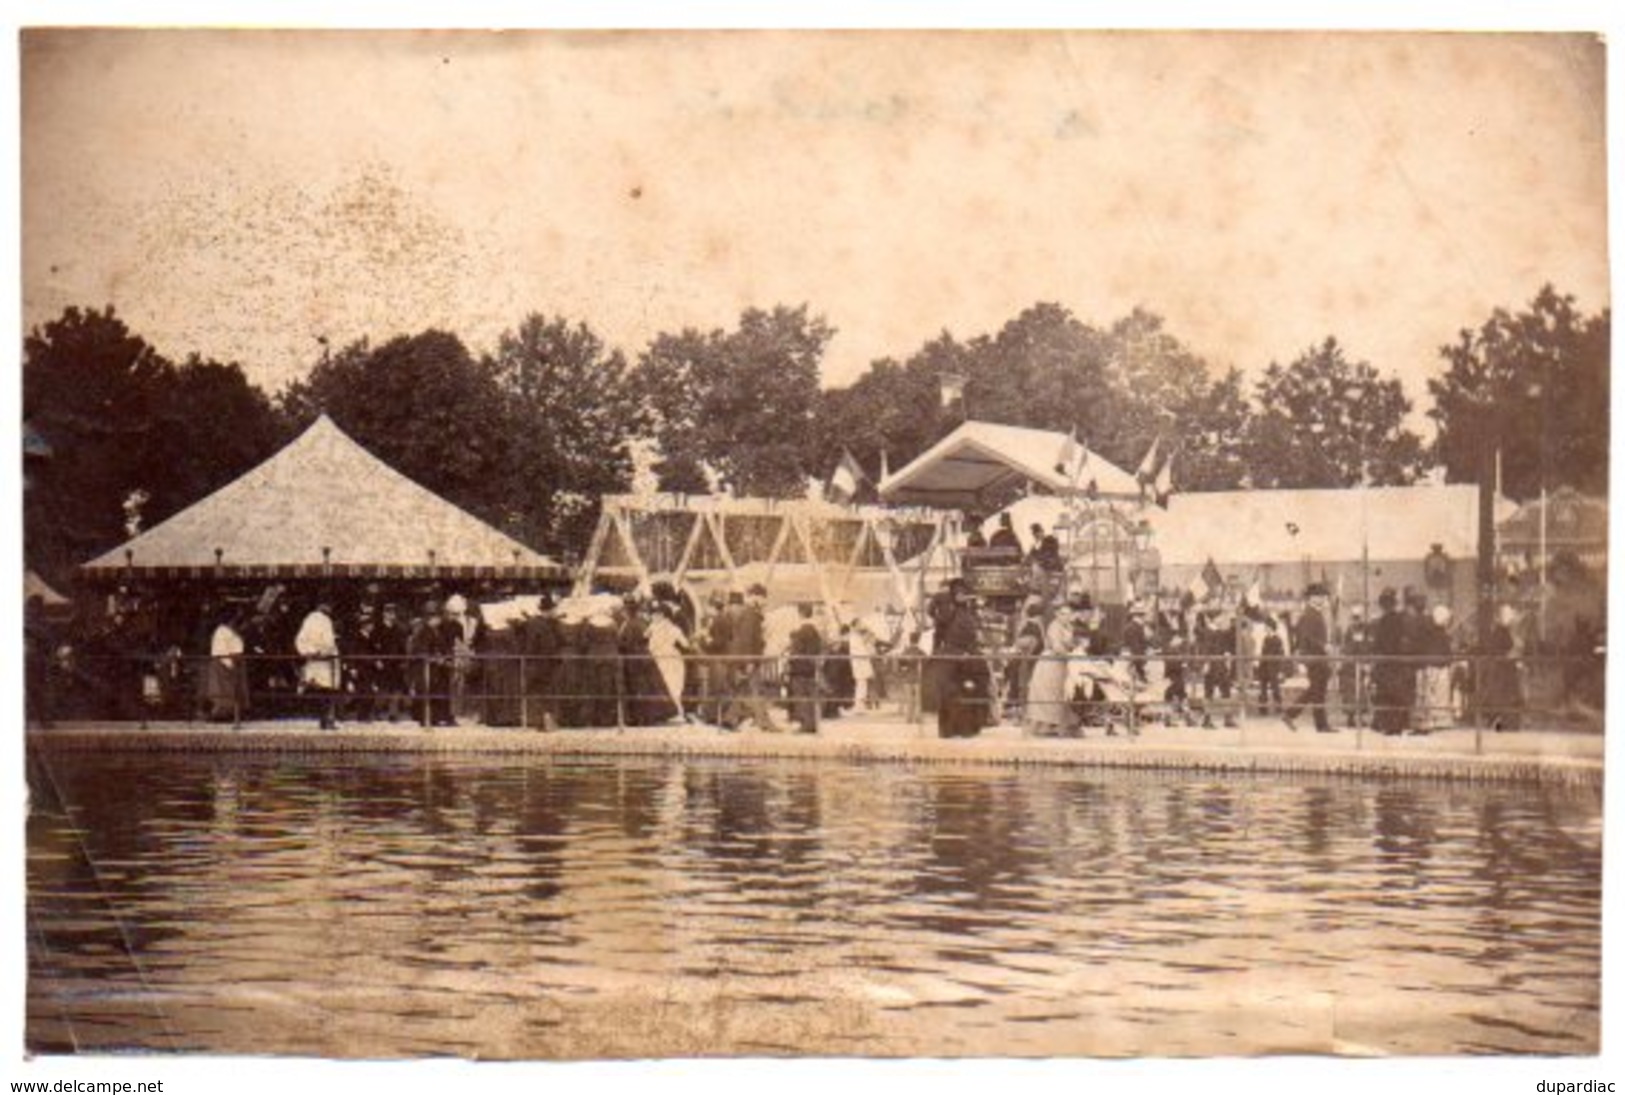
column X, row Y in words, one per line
column 1540, row 617
column 1365, row 540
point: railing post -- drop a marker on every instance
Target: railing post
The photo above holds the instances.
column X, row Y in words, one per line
column 524, row 692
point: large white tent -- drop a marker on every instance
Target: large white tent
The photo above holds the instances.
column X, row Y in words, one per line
column 978, row 457
column 324, row 506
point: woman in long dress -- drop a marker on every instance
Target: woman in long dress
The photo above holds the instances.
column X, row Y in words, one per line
column 1434, row 710
column 861, row 649
column 646, row 700
column 225, row 681
column 668, row 645
column 1049, row 708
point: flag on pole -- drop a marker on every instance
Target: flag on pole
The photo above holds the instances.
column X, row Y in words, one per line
column 1199, row 589
column 1254, row 597
column 1164, row 485
column 1146, row 474
column 845, row 480
column 1211, row 576
column 1073, row 459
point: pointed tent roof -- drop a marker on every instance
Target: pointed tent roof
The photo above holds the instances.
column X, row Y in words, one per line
column 980, row 455
column 323, row 490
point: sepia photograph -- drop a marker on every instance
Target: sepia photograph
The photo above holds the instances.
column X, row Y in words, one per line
column 587, row 545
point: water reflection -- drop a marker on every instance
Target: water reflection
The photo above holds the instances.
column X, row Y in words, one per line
column 403, row 906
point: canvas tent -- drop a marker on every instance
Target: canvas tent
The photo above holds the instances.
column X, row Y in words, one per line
column 980, row 457
column 324, row 507
column 1357, row 541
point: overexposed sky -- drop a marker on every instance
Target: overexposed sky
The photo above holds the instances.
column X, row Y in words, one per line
column 240, row 193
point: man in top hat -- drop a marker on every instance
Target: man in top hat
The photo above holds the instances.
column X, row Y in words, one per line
column 747, row 643
column 1004, row 536
column 1309, row 641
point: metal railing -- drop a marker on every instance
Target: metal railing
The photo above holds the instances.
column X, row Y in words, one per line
column 1046, row 694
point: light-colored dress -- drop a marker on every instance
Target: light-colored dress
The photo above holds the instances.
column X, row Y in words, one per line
column 317, row 643
column 1049, row 708
column 666, row 647
column 1435, row 709
column 225, row 680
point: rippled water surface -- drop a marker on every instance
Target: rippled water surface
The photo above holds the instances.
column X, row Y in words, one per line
column 538, row 909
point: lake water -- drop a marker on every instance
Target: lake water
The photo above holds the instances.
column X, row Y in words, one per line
column 380, row 907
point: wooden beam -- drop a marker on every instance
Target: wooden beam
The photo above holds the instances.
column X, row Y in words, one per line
column 688, row 551
column 589, row 565
column 778, row 546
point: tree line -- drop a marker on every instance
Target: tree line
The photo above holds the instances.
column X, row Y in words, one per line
column 529, row 435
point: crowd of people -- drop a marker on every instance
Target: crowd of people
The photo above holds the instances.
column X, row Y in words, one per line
column 1207, row 663
column 1059, row 666
column 603, row 660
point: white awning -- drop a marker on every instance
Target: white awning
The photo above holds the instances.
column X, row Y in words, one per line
column 979, row 456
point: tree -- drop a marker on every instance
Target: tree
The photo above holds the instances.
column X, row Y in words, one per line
column 1533, row 385
column 1120, row 388
column 895, row 409
column 124, row 423
column 573, row 412
column 739, row 402
column 426, row 407
column 1212, row 447
column 1324, row 421
column 212, row 425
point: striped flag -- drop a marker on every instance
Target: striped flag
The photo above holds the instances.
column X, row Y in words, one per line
column 1073, row 459
column 1164, row 485
column 846, row 479
column 1146, row 474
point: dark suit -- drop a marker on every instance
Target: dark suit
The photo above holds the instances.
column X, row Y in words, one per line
column 746, row 644
column 1309, row 641
column 1393, row 683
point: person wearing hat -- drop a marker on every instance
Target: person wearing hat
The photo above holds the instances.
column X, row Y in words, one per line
column 806, row 649
column 649, row 699
column 1029, row 644
column 1353, row 685
column 1136, row 642
column 360, row 669
column 317, row 643
column 430, row 648
column 1499, row 691
column 389, row 663
column 1173, row 628
column 539, row 647
column 1434, row 710
column 1215, row 639
column 747, row 644
column 713, row 646
column 1271, row 664
column 1004, row 537
column 1049, row 709
column 1393, row 681
column 1310, row 641
column 964, row 704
